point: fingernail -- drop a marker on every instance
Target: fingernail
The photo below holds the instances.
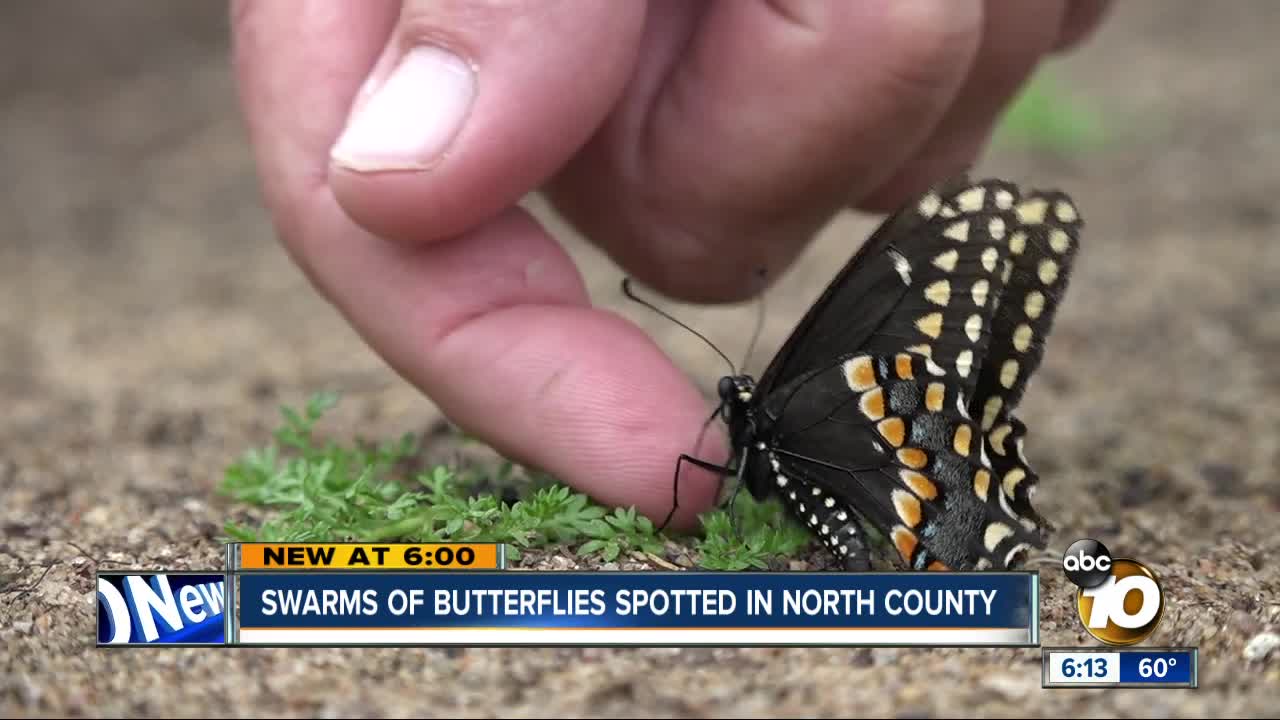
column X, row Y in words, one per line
column 409, row 122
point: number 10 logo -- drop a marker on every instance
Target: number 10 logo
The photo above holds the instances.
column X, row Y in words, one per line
column 1119, row 600
column 1109, row 604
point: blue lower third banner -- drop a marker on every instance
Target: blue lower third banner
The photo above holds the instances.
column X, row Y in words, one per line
column 645, row 609
column 166, row 608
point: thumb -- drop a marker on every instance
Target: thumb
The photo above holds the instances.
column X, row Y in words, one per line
column 474, row 103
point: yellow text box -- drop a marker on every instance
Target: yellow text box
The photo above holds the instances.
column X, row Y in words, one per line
column 370, row 556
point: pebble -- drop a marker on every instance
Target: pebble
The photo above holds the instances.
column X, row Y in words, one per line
column 99, row 515
column 884, row 656
column 1261, row 646
column 1008, row 686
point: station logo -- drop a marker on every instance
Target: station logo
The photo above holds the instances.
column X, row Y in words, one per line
column 1119, row 600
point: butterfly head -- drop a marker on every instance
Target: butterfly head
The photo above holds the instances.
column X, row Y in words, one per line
column 737, row 399
column 736, row 388
column 736, row 392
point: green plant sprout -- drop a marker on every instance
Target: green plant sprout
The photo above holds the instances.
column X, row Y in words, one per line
column 327, row 491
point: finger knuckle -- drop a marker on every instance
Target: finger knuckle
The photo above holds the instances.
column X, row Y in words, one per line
column 929, row 44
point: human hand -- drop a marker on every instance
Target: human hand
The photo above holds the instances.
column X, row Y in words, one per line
column 695, row 142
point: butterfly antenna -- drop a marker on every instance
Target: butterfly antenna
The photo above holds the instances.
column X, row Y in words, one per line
column 626, row 289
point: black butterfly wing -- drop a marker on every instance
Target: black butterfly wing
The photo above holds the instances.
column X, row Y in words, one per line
column 895, row 446
column 924, row 282
column 918, row 296
column 1042, row 251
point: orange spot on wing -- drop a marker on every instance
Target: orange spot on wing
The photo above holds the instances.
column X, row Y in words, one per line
column 919, row 484
column 903, row 362
column 872, row 404
column 893, row 430
column 908, row 507
column 906, row 542
column 914, row 458
column 860, row 374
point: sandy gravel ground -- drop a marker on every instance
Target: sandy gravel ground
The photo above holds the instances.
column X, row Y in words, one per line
column 150, row 327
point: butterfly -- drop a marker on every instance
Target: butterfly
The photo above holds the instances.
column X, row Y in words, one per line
column 891, row 405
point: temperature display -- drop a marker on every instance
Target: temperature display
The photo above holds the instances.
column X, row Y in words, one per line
column 1121, row 667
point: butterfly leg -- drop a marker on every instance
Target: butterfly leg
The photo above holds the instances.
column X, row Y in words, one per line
column 675, row 482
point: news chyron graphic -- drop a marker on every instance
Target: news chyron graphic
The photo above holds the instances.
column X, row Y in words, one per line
column 1119, row 600
column 165, row 608
column 463, row 594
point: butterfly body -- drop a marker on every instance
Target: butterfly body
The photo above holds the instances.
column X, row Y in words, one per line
column 891, row 403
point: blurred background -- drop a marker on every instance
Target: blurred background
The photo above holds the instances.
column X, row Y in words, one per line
column 151, row 325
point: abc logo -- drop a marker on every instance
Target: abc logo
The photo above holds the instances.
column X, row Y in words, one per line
column 1119, row 599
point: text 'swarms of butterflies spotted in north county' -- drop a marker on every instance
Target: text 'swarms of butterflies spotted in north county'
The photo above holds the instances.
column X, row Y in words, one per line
column 892, row 401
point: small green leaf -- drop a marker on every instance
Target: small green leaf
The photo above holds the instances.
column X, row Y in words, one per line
column 591, row 546
column 611, row 551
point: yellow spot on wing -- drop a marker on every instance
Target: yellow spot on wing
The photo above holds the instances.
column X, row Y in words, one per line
column 989, row 257
column 973, row 327
column 1059, row 241
column 971, row 200
column 958, row 231
column 938, row 292
column 1022, row 337
column 1004, row 199
column 930, row 325
column 995, row 228
column 1065, row 211
column 1009, row 373
column 990, row 410
column 982, row 483
column 929, row 205
column 1048, row 271
column 994, row 534
column 947, row 260
column 925, row 350
column 1034, row 304
column 934, row 396
column 1011, row 480
column 998, row 437
column 964, row 362
column 979, row 291
column 964, row 434
column 1031, row 212
column 1018, row 242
